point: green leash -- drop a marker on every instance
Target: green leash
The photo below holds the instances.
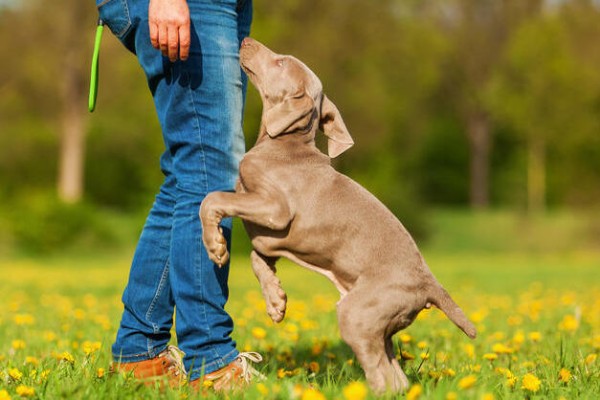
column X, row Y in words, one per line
column 95, row 67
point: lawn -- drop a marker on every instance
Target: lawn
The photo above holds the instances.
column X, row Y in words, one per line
column 532, row 288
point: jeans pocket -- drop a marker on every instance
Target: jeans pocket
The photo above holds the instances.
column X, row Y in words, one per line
column 115, row 14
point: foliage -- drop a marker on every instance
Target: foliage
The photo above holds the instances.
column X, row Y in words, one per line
column 41, row 224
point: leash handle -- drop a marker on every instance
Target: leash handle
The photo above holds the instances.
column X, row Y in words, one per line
column 95, row 67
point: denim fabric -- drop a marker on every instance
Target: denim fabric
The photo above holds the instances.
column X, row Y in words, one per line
column 199, row 104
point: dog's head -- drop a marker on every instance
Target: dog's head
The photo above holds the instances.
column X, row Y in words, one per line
column 292, row 95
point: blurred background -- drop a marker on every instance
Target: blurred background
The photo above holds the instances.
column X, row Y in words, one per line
column 476, row 121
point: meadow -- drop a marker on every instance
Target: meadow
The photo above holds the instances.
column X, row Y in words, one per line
column 531, row 287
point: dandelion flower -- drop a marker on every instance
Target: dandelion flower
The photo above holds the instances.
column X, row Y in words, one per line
column 467, row 382
column 568, row 324
column 66, row 356
column 590, row 358
column 312, row 394
column 25, row 391
column 405, row 338
column 314, row 366
column 469, row 350
column 24, row 319
column 18, row 344
column 422, row 344
column 414, row 392
column 500, row 348
column 31, row 360
column 531, row 383
column 449, row 372
column 15, row 374
column 100, row 372
column 262, row 389
column 451, row 396
column 355, row 391
column 535, row 336
column 490, row 356
column 564, row 375
column 90, row 348
column 488, row 396
column 4, row 395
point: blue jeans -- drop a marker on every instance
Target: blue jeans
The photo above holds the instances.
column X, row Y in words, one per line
column 199, row 103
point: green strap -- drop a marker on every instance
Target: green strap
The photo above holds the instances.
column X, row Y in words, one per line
column 95, row 67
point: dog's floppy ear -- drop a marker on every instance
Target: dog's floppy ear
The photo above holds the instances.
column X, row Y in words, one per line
column 334, row 128
column 291, row 114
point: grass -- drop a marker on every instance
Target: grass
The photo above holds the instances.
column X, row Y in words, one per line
column 531, row 287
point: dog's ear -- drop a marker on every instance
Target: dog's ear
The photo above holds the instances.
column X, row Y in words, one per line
column 334, row 128
column 291, row 114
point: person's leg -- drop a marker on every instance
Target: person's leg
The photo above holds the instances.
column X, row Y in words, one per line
column 199, row 104
column 207, row 135
column 147, row 318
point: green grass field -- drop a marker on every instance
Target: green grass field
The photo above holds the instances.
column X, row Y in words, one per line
column 531, row 287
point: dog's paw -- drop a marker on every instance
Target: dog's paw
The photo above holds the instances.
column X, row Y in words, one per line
column 276, row 300
column 216, row 246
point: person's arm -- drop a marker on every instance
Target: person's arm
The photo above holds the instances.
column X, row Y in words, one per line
column 169, row 22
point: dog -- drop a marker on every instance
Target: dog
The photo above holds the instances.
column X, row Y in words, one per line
column 294, row 204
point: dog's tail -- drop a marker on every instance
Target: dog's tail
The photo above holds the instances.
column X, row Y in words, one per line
column 442, row 300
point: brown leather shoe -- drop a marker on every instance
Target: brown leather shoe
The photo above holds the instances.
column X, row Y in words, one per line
column 167, row 367
column 234, row 376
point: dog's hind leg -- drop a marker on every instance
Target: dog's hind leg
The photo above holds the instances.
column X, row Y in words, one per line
column 275, row 297
column 363, row 319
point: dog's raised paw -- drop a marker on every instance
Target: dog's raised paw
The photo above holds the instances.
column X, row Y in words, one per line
column 216, row 246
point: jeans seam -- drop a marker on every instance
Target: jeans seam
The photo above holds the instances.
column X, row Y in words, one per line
column 161, row 285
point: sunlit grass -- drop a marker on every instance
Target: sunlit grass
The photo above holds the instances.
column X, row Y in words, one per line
column 538, row 317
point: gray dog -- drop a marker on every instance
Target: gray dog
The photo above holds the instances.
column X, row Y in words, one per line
column 295, row 205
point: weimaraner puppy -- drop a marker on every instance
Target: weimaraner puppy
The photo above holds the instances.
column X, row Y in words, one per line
column 295, row 205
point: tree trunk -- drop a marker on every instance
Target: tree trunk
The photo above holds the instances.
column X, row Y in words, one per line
column 480, row 141
column 72, row 143
column 536, row 175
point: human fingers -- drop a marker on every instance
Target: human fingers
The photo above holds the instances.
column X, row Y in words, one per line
column 172, row 43
column 184, row 42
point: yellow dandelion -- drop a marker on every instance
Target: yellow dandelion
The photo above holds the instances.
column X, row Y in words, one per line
column 262, row 388
column 24, row 319
column 518, row 338
column 467, row 382
column 515, row 320
column 564, row 375
column 424, row 356
column 435, row 374
column 49, row 336
column 488, row 396
column 490, row 356
column 405, row 338
column 18, row 344
column 207, row 384
column 414, row 392
column 355, row 391
column 45, row 374
column 100, row 373
column 15, row 374
column 449, row 372
column 67, row 357
column 90, row 348
column 531, row 383
column 478, row 316
column 314, row 366
column 422, row 345
column 569, row 323
column 469, row 350
column 4, row 395
column 500, row 348
column 312, row 394
column 451, row 396
column 31, row 360
column 591, row 358
column 407, row 356
column 282, row 373
column 535, row 336
column 25, row 391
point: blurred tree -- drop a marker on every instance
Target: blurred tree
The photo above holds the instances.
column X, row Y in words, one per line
column 544, row 93
column 479, row 31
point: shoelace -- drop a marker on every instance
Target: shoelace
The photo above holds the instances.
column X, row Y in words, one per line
column 176, row 354
column 247, row 370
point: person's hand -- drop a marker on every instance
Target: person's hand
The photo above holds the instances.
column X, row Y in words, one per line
column 169, row 22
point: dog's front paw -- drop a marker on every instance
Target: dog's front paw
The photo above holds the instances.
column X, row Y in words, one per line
column 276, row 300
column 216, row 245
